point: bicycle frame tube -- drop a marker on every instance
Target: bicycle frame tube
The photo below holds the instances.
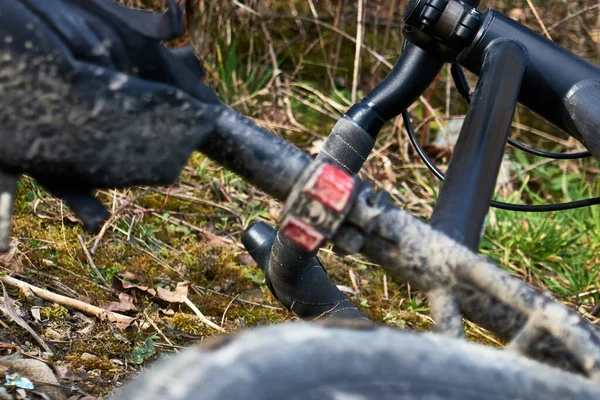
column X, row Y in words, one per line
column 471, row 178
column 558, row 85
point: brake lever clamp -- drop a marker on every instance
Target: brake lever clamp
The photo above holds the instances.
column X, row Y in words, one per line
column 359, row 224
column 328, row 204
column 318, row 204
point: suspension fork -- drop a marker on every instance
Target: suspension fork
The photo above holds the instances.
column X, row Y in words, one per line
column 293, row 273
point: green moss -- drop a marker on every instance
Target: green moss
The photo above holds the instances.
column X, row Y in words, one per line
column 54, row 312
column 188, row 323
column 90, row 364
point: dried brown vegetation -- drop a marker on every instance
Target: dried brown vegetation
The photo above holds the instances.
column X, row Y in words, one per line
column 294, row 67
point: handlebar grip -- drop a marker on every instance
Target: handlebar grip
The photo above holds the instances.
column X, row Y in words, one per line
column 348, row 146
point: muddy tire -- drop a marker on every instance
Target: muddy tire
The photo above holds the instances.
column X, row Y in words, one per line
column 304, row 361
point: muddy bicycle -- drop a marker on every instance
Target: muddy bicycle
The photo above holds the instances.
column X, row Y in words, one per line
column 91, row 99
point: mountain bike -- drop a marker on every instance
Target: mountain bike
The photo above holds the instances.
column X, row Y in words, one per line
column 114, row 108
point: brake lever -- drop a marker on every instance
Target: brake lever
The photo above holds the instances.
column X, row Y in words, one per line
column 292, row 269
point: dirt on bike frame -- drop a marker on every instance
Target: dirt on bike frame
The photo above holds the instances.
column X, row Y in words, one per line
column 324, row 203
column 324, row 199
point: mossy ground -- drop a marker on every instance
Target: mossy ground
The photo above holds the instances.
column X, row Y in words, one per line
column 153, row 250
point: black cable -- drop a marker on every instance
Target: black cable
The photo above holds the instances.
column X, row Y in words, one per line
column 462, row 85
column 545, row 154
column 496, row 204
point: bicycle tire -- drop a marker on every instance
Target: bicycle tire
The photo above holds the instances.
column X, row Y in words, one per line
column 308, row 361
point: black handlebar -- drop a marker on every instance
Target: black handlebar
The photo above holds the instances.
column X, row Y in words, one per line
column 269, row 163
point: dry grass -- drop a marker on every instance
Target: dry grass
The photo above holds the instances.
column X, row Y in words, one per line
column 294, row 67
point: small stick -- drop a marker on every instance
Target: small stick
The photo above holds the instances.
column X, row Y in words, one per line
column 160, row 332
column 539, row 20
column 571, row 16
column 91, row 261
column 200, row 315
column 358, row 48
column 353, row 280
column 21, row 351
column 227, row 309
column 385, row 287
column 120, row 320
column 113, row 216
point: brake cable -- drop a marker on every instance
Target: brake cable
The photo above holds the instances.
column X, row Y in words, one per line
column 462, row 85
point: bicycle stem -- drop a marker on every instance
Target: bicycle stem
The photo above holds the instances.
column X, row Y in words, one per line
column 296, row 277
column 558, row 85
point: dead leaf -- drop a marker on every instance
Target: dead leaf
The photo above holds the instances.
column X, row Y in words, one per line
column 130, row 276
column 518, row 14
column 10, row 259
column 35, row 313
column 10, row 310
column 124, row 304
column 66, row 373
column 177, row 296
column 122, row 285
column 246, row 259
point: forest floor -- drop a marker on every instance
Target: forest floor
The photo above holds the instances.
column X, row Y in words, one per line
column 168, row 250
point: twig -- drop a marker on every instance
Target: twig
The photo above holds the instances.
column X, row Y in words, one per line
column 313, row 10
column 112, row 218
column 21, row 352
column 143, row 210
column 120, row 320
column 571, row 16
column 385, row 288
column 358, row 48
column 204, row 232
column 160, row 332
column 200, row 315
column 539, row 20
column 91, row 262
column 353, row 281
column 273, row 55
column 338, row 23
column 227, row 309
column 368, row 49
